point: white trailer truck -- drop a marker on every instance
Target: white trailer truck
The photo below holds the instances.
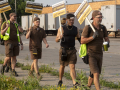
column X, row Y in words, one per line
column 53, row 24
column 111, row 20
column 25, row 22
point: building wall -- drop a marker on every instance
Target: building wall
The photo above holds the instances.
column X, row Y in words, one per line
column 73, row 7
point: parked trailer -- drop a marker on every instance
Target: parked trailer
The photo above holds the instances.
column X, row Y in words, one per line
column 111, row 18
column 25, row 23
column 53, row 24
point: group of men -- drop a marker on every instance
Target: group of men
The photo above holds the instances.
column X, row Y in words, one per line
column 10, row 33
column 67, row 53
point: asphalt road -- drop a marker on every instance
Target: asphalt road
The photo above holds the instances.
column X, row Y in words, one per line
column 111, row 59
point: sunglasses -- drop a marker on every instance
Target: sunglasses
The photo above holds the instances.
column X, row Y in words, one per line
column 99, row 17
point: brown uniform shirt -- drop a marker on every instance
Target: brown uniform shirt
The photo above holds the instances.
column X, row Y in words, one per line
column 13, row 33
column 36, row 37
column 95, row 46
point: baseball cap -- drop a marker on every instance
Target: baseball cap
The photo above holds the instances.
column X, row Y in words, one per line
column 11, row 14
column 70, row 16
column 95, row 13
column 36, row 19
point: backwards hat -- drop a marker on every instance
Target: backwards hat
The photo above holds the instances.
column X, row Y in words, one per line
column 36, row 19
column 11, row 14
column 70, row 16
column 95, row 13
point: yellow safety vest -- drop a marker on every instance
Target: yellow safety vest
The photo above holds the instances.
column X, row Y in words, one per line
column 7, row 34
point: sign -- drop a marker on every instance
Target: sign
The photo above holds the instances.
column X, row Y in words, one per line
column 59, row 9
column 4, row 6
column 83, row 11
column 32, row 7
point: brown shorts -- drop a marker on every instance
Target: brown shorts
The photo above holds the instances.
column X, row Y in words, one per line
column 11, row 49
column 71, row 57
column 38, row 56
column 95, row 63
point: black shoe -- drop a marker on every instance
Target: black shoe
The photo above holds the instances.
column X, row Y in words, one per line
column 76, row 85
column 2, row 69
column 7, row 69
column 14, row 73
column 60, row 83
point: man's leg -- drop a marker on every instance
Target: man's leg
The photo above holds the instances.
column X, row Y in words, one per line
column 61, row 72
column 8, row 66
column 32, row 66
column 96, row 81
column 13, row 63
column 73, row 72
column 36, row 65
column 39, row 77
column 31, row 70
column 6, row 61
column 4, row 64
column 90, row 80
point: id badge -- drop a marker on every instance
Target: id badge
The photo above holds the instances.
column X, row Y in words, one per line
column 34, row 51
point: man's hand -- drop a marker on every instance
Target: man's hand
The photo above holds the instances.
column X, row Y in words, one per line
column 21, row 47
column 15, row 22
column 7, row 25
column 60, row 37
column 30, row 29
column 47, row 45
column 95, row 34
column 108, row 45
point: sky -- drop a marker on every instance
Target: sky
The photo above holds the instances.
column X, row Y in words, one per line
column 51, row 2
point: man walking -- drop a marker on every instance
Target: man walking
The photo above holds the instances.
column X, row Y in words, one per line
column 67, row 52
column 94, row 41
column 10, row 33
column 36, row 35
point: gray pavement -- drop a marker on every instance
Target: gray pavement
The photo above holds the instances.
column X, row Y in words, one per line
column 111, row 59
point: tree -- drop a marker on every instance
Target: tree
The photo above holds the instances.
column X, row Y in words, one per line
column 20, row 6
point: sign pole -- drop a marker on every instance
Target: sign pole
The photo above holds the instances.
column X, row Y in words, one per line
column 5, row 16
column 90, row 24
column 32, row 19
column 60, row 25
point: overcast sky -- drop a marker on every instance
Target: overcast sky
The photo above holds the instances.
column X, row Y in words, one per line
column 51, row 2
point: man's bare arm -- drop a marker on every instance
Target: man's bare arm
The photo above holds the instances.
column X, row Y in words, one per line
column 86, row 40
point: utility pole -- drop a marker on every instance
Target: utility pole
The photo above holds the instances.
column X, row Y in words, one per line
column 0, row 18
column 15, row 7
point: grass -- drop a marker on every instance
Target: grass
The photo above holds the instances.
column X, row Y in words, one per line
column 19, row 64
column 26, row 67
column 1, row 61
column 80, row 76
column 10, row 83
